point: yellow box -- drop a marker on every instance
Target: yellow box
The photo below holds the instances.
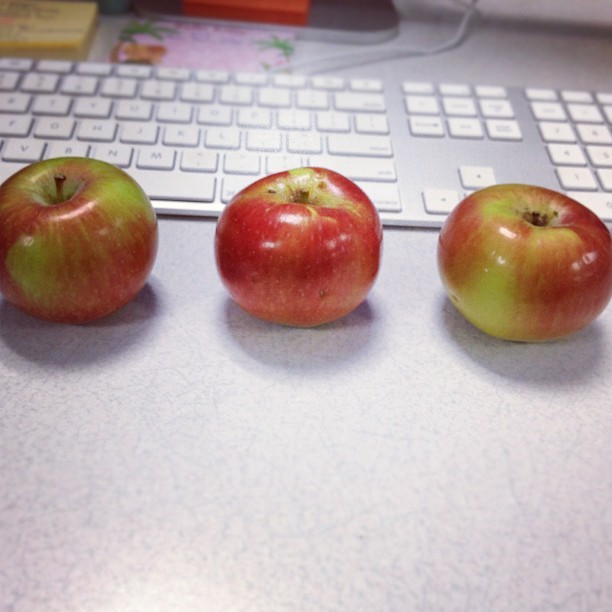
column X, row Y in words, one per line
column 47, row 29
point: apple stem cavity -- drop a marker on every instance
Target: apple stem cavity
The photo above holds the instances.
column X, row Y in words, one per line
column 538, row 219
column 302, row 196
column 60, row 179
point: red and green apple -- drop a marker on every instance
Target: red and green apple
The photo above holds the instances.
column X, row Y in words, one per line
column 78, row 239
column 525, row 263
column 299, row 248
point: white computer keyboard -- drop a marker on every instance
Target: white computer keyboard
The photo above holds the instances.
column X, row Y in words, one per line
column 193, row 138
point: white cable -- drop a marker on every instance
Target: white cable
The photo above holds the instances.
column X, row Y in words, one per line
column 371, row 56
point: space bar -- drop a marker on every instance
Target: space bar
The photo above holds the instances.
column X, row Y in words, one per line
column 179, row 186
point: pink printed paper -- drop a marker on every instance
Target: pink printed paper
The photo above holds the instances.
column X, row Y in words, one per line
column 203, row 45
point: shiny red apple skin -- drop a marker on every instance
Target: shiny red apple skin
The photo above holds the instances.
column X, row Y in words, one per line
column 299, row 263
column 80, row 258
column 525, row 263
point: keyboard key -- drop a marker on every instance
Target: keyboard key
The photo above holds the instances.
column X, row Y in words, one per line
column 576, row 178
column 93, row 108
column 221, row 138
column 171, row 73
column 57, row 66
column 328, row 83
column 568, row 155
column 114, row 87
column 304, row 142
column 454, row 89
column 232, row 185
column 605, row 178
column 274, row 97
column 279, row 163
column 371, row 124
column 134, row 71
column 139, row 133
column 542, row 94
column 600, row 155
column 212, row 76
column 197, row 92
column 171, row 112
column 137, row 110
column 586, row 113
column 459, row 107
column 502, row 129
column 181, row 136
column 604, row 97
column 476, row 177
column 51, row 104
column 417, row 87
column 498, row 109
column 372, row 85
column 385, row 196
column 599, row 203
column 8, row 80
column 422, row 105
column 555, row 131
column 333, row 122
column 15, row 125
column 116, row 154
column 27, row 150
column 361, row 169
column 66, row 149
column 17, row 64
column 236, row 94
column 491, row 91
column 254, row 117
column 440, row 201
column 251, row 78
column 79, row 85
column 39, row 83
column 14, row 102
column 158, row 90
column 241, row 163
column 376, row 146
column 465, row 128
column 97, row 131
column 156, row 158
column 351, row 101
column 293, row 120
column 582, row 97
column 594, row 134
column 198, row 161
column 94, row 69
column 54, row 127
column 264, row 140
column 292, row 81
column 215, row 115
column 421, row 125
column 312, row 99
column 184, row 186
column 548, row 111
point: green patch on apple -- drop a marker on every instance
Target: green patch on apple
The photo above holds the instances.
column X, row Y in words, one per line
column 78, row 240
column 525, row 263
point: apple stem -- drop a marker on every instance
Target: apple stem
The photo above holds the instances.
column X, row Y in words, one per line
column 302, row 196
column 536, row 218
column 60, row 179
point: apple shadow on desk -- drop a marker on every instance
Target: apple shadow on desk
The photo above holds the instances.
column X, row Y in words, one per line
column 306, row 349
column 65, row 345
column 563, row 362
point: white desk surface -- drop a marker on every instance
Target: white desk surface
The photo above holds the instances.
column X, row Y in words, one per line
column 182, row 456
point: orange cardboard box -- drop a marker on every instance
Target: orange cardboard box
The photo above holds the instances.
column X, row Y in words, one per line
column 286, row 12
